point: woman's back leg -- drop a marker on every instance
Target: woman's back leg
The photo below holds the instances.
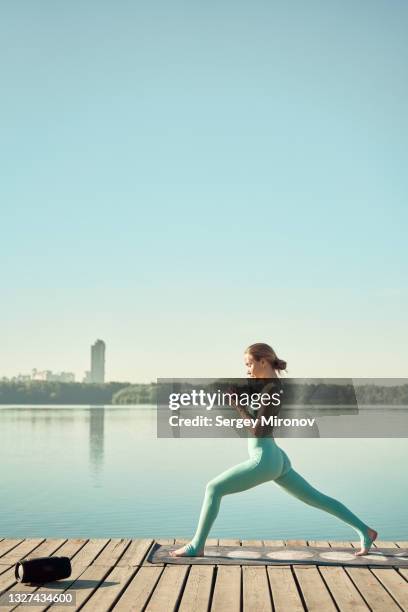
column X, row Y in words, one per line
column 297, row 486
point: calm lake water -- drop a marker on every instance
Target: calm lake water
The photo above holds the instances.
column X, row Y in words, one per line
column 72, row 471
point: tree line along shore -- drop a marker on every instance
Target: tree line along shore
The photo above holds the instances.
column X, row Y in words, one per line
column 123, row 393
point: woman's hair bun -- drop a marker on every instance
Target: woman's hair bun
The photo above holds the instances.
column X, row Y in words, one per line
column 260, row 350
column 279, row 364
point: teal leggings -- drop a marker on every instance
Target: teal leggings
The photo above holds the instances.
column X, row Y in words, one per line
column 267, row 462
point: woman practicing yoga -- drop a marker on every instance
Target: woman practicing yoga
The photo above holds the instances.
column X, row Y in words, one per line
column 267, row 462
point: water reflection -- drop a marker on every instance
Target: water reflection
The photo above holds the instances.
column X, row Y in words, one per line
column 96, row 440
column 95, row 471
column 63, row 422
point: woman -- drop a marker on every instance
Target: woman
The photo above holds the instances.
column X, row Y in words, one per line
column 267, row 462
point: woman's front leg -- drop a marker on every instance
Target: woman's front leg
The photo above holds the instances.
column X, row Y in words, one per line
column 241, row 477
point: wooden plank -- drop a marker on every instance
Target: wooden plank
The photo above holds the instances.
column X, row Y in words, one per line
column 285, row 594
column 84, row 586
column 197, row 592
column 72, row 547
column 394, row 583
column 168, row 590
column 255, row 588
column 229, row 542
column 251, row 543
column 319, row 543
column 135, row 553
column 90, row 551
column 112, row 552
column 110, row 589
column 197, row 583
column 49, row 547
column 274, row 543
column 384, row 544
column 341, row 586
column 7, row 578
column 161, row 541
column 139, row 589
column 370, row 588
column 212, row 542
column 227, row 590
column 392, row 579
column 314, row 590
column 21, row 550
column 4, row 568
column 8, row 544
column 295, row 543
column 344, row 592
column 45, row 549
column 165, row 541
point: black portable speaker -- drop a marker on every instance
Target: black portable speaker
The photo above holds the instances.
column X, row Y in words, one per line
column 42, row 569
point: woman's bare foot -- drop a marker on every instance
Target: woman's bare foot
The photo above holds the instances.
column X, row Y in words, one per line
column 187, row 551
column 368, row 540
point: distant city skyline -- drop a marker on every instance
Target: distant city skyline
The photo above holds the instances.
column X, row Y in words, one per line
column 96, row 373
column 42, row 375
column 311, row 357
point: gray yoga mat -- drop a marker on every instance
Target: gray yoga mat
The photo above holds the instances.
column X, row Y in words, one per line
column 282, row 555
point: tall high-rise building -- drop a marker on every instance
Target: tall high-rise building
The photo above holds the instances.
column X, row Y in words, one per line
column 98, row 362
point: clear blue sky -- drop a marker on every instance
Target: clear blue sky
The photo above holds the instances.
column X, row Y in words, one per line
column 184, row 178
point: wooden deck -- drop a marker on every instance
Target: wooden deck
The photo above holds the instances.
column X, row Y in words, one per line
column 112, row 574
